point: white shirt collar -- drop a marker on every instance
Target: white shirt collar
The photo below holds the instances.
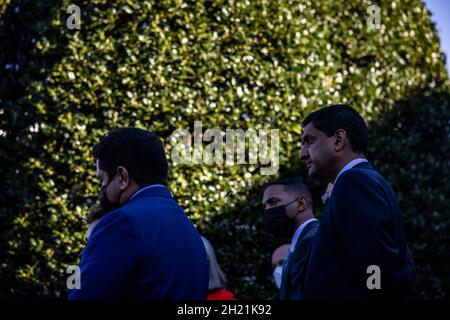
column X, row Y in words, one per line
column 298, row 232
column 350, row 165
column 145, row 188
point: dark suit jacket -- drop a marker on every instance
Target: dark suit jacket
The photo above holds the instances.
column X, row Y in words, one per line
column 147, row 249
column 293, row 270
column 361, row 226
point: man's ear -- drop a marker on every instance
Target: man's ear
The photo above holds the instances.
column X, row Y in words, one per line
column 124, row 177
column 302, row 204
column 339, row 139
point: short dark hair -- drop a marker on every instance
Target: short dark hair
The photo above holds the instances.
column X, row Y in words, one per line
column 295, row 185
column 139, row 151
column 341, row 116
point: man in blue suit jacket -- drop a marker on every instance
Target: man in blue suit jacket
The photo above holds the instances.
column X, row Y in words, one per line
column 360, row 250
column 289, row 213
column 144, row 247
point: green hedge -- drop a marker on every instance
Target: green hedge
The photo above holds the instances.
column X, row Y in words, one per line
column 161, row 65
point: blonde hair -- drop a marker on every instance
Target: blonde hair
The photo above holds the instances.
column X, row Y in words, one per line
column 217, row 279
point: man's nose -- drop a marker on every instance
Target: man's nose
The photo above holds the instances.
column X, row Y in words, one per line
column 303, row 154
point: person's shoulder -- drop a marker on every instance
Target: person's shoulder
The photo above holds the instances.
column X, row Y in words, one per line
column 150, row 213
column 315, row 224
column 121, row 218
column 359, row 174
column 361, row 180
column 307, row 238
column 311, row 229
column 221, row 294
column 308, row 235
column 366, row 174
column 144, row 203
column 116, row 224
column 138, row 208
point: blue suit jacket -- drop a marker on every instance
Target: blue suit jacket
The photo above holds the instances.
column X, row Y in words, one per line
column 293, row 271
column 361, row 226
column 147, row 249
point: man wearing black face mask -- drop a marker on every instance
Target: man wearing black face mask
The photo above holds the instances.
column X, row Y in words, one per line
column 288, row 213
column 105, row 203
column 144, row 247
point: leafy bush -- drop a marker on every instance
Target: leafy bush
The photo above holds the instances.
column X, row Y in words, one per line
column 161, row 65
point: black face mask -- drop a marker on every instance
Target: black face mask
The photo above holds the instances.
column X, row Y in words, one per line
column 106, row 204
column 277, row 222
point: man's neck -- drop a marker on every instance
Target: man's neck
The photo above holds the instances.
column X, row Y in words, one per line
column 130, row 191
column 303, row 219
column 342, row 164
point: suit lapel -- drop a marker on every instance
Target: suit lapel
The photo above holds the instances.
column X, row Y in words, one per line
column 305, row 231
column 297, row 249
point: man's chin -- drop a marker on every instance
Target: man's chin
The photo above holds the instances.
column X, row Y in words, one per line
column 313, row 173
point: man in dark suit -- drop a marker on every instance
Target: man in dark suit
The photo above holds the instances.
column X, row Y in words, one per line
column 289, row 213
column 360, row 250
column 144, row 247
